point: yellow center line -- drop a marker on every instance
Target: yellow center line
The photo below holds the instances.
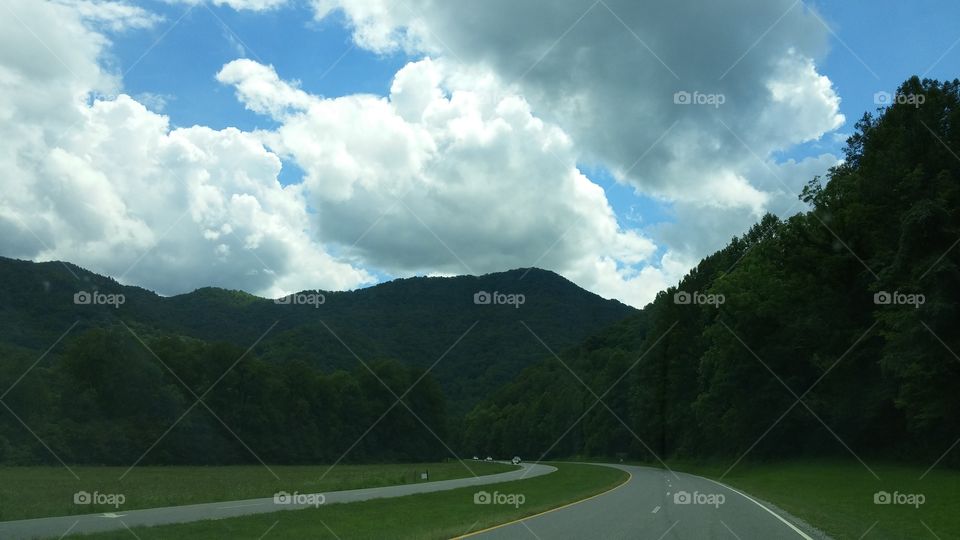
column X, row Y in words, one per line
column 481, row 531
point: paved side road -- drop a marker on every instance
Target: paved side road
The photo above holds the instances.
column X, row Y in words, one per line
column 656, row 504
column 55, row 527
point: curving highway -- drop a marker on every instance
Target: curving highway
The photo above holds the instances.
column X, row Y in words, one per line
column 658, row 505
column 652, row 504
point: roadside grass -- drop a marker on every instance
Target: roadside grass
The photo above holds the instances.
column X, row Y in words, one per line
column 837, row 497
column 28, row 492
column 426, row 516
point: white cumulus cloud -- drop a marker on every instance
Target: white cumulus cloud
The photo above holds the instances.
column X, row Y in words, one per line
column 443, row 175
column 108, row 184
column 607, row 72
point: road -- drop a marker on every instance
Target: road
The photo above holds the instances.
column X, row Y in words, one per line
column 656, row 504
column 56, row 527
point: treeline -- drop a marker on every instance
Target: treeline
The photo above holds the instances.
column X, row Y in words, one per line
column 108, row 400
column 838, row 327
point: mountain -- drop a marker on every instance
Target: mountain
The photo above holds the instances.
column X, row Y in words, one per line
column 831, row 333
column 415, row 320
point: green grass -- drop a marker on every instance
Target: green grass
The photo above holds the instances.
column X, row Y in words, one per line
column 838, row 496
column 427, row 516
column 27, row 492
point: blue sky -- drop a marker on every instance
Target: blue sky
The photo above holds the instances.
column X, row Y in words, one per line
column 880, row 44
column 183, row 63
column 183, row 57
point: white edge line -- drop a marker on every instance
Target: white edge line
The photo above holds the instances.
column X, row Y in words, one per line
column 761, row 505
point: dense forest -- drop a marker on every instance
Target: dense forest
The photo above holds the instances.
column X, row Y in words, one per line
column 836, row 333
column 103, row 392
column 108, row 400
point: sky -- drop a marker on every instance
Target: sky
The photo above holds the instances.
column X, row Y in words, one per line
column 275, row 146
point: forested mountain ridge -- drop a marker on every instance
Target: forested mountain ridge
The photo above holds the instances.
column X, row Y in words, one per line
column 831, row 332
column 413, row 320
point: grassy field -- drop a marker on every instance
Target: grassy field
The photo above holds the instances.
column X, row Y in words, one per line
column 428, row 516
column 27, row 492
column 838, row 496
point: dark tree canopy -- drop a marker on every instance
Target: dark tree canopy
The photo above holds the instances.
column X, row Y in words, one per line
column 799, row 320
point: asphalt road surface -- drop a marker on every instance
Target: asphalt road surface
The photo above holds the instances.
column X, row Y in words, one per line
column 56, row 527
column 657, row 505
